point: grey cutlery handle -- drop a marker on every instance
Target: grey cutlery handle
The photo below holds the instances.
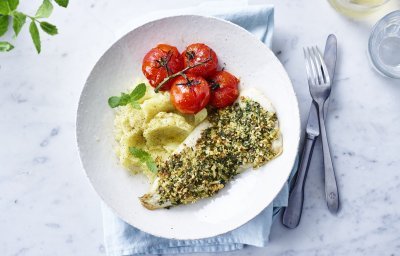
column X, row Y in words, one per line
column 291, row 216
column 331, row 189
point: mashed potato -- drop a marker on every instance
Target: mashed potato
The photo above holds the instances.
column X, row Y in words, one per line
column 157, row 128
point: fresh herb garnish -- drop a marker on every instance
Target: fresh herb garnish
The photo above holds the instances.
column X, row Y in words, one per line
column 35, row 36
column 9, row 12
column 144, row 157
column 133, row 97
column 6, row 47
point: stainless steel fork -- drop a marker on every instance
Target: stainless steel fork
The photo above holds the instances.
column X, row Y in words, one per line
column 320, row 87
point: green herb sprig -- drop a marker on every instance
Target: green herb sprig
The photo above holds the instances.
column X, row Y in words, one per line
column 144, row 157
column 9, row 12
column 124, row 99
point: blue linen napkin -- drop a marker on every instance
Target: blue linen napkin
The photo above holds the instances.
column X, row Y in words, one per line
column 122, row 239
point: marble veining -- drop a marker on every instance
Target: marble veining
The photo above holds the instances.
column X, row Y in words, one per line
column 47, row 206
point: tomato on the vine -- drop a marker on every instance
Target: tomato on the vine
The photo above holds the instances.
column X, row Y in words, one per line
column 195, row 54
column 161, row 62
column 224, row 89
column 190, row 93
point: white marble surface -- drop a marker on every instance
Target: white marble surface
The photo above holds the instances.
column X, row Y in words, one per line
column 47, row 206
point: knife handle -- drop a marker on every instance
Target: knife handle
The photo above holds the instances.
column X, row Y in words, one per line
column 292, row 214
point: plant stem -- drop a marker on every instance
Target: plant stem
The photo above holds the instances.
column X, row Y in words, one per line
column 33, row 18
column 182, row 72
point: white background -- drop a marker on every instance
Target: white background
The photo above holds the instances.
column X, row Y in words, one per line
column 47, row 206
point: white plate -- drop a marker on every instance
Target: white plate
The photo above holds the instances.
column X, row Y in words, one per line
column 246, row 196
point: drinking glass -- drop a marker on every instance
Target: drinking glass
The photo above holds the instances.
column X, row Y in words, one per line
column 384, row 45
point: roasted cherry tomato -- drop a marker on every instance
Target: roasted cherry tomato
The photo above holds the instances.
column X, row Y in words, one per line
column 160, row 62
column 224, row 89
column 190, row 93
column 203, row 57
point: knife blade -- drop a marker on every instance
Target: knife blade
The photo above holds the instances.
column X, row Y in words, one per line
column 330, row 56
column 292, row 214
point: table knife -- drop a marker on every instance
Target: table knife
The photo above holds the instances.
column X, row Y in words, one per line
column 330, row 56
column 292, row 213
column 331, row 189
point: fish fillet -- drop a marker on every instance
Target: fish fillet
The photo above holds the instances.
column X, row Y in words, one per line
column 152, row 200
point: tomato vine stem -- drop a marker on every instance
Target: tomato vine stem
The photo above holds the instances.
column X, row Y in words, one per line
column 180, row 73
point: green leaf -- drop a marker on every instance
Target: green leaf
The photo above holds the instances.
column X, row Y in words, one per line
column 140, row 154
column 4, row 7
column 35, row 36
column 13, row 4
column 49, row 28
column 144, row 157
column 138, row 92
column 152, row 166
column 6, row 46
column 62, row 3
column 3, row 24
column 18, row 22
column 133, row 97
column 135, row 105
column 116, row 101
column 125, row 98
column 113, row 101
column 44, row 10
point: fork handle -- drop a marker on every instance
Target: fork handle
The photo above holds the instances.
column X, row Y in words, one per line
column 292, row 214
column 331, row 189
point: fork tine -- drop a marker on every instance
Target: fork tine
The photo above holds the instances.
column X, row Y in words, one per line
column 308, row 68
column 317, row 64
column 314, row 75
column 310, row 72
column 323, row 65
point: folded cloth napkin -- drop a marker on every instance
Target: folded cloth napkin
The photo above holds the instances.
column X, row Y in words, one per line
column 122, row 239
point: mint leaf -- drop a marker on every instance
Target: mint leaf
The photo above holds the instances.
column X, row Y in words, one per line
column 144, row 157
column 35, row 36
column 18, row 22
column 133, row 97
column 135, row 105
column 140, row 154
column 6, row 46
column 151, row 165
column 48, row 28
column 114, row 101
column 4, row 7
column 138, row 92
column 125, row 98
column 62, row 3
column 3, row 24
column 13, row 4
column 44, row 10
